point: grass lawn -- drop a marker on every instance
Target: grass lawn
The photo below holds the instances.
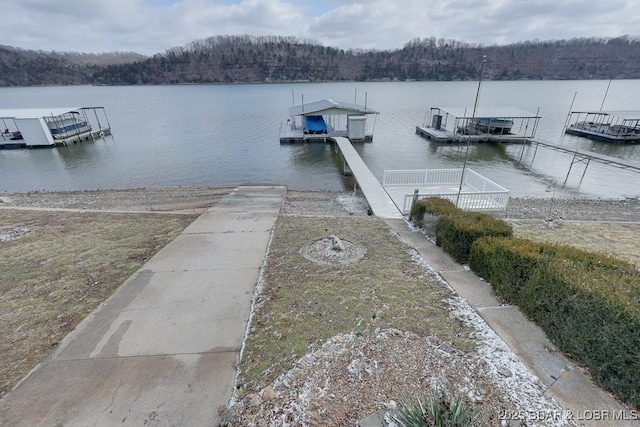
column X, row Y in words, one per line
column 60, row 269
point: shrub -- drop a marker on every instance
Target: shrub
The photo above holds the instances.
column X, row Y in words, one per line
column 437, row 409
column 456, row 233
column 507, row 263
column 431, row 206
column 591, row 310
column 588, row 304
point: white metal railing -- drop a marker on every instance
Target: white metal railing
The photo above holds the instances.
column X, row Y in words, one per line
column 479, row 183
column 406, row 177
column 484, row 201
column 433, row 177
column 477, row 192
column 421, row 177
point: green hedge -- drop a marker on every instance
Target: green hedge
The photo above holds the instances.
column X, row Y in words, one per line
column 587, row 304
column 456, row 232
column 431, row 206
column 507, row 263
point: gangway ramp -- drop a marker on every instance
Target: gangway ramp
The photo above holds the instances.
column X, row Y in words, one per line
column 379, row 201
column 581, row 156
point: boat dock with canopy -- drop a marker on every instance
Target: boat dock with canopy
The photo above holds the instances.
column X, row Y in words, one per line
column 50, row 127
column 489, row 124
column 605, row 126
column 321, row 120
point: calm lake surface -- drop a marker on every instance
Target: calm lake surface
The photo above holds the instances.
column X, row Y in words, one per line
column 227, row 135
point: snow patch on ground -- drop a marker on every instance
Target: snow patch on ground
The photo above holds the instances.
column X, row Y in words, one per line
column 13, row 233
column 353, row 203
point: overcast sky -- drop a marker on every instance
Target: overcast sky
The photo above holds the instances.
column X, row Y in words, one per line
column 153, row 26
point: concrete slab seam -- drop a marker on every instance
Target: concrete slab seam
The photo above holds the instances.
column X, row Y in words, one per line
column 139, row 356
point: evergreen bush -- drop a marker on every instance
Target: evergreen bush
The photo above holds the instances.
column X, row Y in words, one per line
column 456, row 233
column 588, row 304
column 432, row 206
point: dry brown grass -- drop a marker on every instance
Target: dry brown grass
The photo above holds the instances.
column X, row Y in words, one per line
column 617, row 239
column 304, row 303
column 64, row 267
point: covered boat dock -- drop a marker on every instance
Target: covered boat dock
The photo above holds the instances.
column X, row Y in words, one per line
column 489, row 124
column 605, row 126
column 51, row 127
column 318, row 121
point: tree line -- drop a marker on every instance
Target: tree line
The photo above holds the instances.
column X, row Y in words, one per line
column 264, row 59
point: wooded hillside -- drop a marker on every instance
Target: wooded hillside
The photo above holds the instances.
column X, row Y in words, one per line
column 250, row 59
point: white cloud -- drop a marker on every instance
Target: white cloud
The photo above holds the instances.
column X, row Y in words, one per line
column 152, row 26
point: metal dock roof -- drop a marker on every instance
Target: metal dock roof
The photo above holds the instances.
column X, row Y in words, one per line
column 488, row 112
column 329, row 107
column 31, row 113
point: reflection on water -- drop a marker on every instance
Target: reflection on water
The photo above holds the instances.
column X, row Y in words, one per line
column 225, row 135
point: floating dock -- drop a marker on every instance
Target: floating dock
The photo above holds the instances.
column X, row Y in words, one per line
column 489, row 124
column 617, row 127
column 52, row 127
column 323, row 120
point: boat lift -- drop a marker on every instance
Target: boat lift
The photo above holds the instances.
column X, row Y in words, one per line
column 489, row 124
column 51, row 127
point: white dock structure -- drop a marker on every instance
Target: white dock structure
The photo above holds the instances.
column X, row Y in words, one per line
column 466, row 189
column 379, row 201
column 489, row 124
column 322, row 120
column 52, row 126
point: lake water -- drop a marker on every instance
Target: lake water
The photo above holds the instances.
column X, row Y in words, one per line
column 227, row 135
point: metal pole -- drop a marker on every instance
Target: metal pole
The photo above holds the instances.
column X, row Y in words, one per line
column 473, row 116
column 566, row 122
column 605, row 95
column 413, row 202
column 535, row 124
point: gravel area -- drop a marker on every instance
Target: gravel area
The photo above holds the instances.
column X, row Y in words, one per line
column 308, row 203
column 627, row 210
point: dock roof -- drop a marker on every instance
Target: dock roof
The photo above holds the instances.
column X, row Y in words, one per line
column 329, row 107
column 30, row 113
column 624, row 114
column 488, row 112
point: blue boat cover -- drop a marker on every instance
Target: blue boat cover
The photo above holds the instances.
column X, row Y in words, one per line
column 315, row 124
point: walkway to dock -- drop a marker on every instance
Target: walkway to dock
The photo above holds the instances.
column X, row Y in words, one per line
column 379, row 201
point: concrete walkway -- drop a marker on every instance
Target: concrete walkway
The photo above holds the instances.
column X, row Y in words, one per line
column 163, row 349
column 589, row 405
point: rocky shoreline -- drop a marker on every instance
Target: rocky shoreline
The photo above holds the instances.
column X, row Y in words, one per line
column 323, row 203
column 627, row 210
